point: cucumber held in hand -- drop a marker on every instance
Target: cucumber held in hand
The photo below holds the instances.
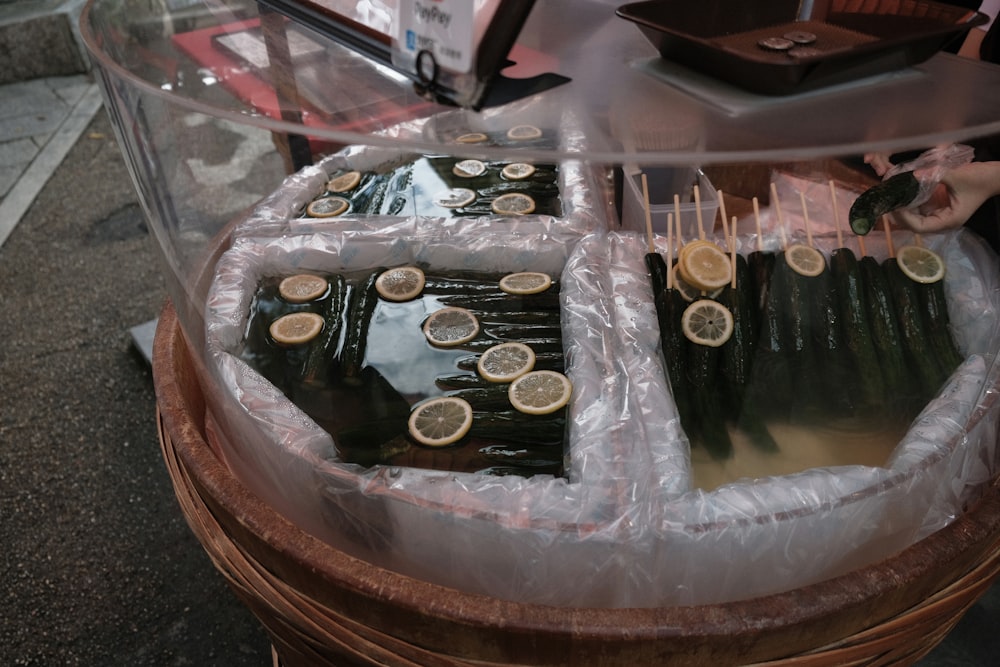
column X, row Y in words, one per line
column 893, row 193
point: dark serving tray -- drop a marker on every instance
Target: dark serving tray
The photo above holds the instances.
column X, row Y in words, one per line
column 852, row 38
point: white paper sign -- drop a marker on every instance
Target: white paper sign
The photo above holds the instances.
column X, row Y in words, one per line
column 442, row 27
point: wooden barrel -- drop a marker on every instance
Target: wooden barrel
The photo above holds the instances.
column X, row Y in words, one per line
column 323, row 607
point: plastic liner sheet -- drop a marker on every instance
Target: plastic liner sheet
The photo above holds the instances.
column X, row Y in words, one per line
column 522, row 538
column 629, row 519
column 586, row 207
column 755, row 536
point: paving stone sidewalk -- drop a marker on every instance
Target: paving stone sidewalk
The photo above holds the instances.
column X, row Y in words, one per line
column 40, row 120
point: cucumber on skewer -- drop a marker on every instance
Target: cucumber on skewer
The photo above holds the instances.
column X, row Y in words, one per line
column 323, row 353
column 893, row 193
column 737, row 359
column 362, row 307
column 669, row 305
column 929, row 373
column 886, row 335
column 869, row 385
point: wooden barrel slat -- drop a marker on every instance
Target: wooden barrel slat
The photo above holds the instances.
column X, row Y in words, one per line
column 322, row 606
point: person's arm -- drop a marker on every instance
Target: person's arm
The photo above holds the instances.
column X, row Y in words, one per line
column 961, row 192
column 972, row 45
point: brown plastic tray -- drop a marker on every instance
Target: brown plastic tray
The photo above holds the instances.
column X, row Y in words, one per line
column 853, row 38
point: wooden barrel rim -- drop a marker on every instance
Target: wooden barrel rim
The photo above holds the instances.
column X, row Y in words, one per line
column 759, row 628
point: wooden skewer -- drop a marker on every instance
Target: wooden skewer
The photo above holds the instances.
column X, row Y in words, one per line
column 732, row 252
column 722, row 208
column 678, row 243
column 670, row 250
column 670, row 236
column 729, row 244
column 677, row 223
column 918, row 240
column 861, row 240
column 722, row 205
column 805, row 220
column 680, row 240
column 697, row 212
column 649, row 215
column 836, row 214
column 781, row 217
column 730, row 233
column 725, row 232
column 888, row 236
column 756, row 218
column 677, row 219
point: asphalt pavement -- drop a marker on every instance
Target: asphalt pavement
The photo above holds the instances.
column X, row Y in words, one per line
column 98, row 565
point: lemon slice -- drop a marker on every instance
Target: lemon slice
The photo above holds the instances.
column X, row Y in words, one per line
column 691, row 245
column 296, row 328
column 400, row 284
column 706, row 267
column 707, row 322
column 920, row 264
column 327, row 207
column 805, row 260
column 688, row 292
column 455, row 198
column 472, row 138
column 517, row 171
column 540, row 392
column 451, row 326
column 513, row 203
column 506, row 362
column 344, row 182
column 302, row 288
column 440, row 421
column 523, row 132
column 469, row 168
column 525, row 282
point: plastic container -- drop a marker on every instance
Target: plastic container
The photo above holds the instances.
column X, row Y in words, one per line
column 218, row 151
column 663, row 184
